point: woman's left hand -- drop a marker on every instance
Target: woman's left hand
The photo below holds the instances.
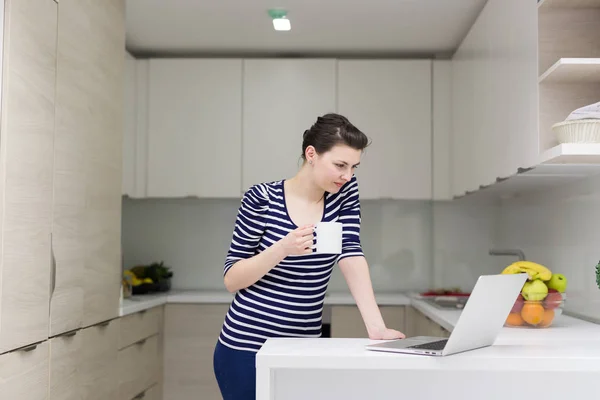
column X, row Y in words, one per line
column 386, row 334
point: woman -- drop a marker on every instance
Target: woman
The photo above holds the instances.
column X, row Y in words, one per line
column 279, row 283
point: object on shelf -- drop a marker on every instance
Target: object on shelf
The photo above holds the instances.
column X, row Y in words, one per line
column 152, row 278
column 591, row 111
column 581, row 126
column 578, row 131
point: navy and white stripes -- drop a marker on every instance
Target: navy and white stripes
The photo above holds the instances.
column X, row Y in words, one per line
column 288, row 300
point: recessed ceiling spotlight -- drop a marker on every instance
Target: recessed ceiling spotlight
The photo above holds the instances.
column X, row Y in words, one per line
column 280, row 21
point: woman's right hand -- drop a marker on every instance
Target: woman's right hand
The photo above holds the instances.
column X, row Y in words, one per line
column 299, row 241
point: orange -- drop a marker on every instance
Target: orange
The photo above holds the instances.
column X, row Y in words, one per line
column 514, row 319
column 533, row 313
column 547, row 319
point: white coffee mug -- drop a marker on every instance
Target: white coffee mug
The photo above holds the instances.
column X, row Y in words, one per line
column 328, row 236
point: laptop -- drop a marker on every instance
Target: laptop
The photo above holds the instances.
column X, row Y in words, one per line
column 479, row 323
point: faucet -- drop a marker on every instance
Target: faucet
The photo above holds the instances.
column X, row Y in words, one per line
column 508, row 252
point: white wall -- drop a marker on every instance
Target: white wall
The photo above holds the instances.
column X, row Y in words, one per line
column 561, row 230
column 193, row 235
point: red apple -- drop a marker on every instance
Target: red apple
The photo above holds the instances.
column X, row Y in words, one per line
column 518, row 305
column 553, row 300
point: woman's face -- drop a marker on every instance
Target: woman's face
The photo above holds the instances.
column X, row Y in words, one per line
column 331, row 170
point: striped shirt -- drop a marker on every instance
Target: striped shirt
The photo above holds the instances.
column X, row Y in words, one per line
column 288, row 300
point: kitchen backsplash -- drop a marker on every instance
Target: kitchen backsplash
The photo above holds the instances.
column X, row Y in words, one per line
column 193, row 235
column 560, row 229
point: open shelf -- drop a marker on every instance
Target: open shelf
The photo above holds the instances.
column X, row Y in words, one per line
column 535, row 179
column 572, row 153
column 548, row 4
column 573, row 70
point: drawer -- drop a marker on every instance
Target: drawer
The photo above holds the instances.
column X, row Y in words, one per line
column 138, row 326
column 24, row 373
column 138, row 367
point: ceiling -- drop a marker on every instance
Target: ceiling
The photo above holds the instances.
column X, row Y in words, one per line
column 319, row 27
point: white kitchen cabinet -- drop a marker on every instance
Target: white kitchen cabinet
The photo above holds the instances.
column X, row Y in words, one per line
column 347, row 322
column 65, row 363
column 194, row 128
column 130, row 127
column 26, row 160
column 24, row 373
column 191, row 334
column 390, row 101
column 104, row 49
column 282, row 98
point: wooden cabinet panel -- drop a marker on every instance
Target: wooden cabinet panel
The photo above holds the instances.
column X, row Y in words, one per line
column 98, row 376
column 347, row 322
column 65, row 362
column 140, row 325
column 26, row 160
column 138, row 368
column 103, row 155
column 72, row 119
column 194, row 128
column 191, row 334
column 24, row 373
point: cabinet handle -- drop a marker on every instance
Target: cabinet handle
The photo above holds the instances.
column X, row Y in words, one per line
column 29, row 348
column 141, row 342
column 105, row 323
column 140, row 396
column 69, row 334
column 53, row 267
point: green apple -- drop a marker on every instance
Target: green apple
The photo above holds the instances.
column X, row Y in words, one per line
column 535, row 290
column 557, row 282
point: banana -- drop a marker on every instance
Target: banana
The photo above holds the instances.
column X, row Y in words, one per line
column 534, row 270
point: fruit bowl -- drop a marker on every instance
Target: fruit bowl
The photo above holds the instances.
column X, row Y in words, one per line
column 541, row 299
column 535, row 314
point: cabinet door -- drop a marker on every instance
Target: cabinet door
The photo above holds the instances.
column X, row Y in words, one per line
column 191, row 333
column 104, row 61
column 282, row 99
column 346, row 322
column 390, row 101
column 65, row 361
column 98, row 376
column 24, row 373
column 72, row 122
column 194, row 128
column 26, row 160
column 130, row 128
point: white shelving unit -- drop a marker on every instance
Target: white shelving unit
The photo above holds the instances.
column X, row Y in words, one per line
column 550, row 4
column 573, row 70
column 568, row 78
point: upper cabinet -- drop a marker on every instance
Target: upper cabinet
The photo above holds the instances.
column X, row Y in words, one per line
column 282, row 99
column 194, row 143
column 509, row 91
column 214, row 127
column 26, row 165
column 390, row 101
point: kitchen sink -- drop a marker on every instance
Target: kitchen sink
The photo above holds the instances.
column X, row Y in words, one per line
column 447, row 302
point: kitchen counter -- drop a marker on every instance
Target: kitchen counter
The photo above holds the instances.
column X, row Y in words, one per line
column 138, row 303
column 522, row 361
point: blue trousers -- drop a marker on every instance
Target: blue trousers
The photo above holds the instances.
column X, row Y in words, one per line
column 235, row 371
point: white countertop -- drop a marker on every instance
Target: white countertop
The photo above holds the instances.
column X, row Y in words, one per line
column 143, row 302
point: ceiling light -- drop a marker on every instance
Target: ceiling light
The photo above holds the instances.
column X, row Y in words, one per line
column 280, row 21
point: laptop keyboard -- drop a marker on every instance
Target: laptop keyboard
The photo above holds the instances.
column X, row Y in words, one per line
column 438, row 345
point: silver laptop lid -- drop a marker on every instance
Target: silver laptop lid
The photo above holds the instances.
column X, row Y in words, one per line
column 485, row 313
